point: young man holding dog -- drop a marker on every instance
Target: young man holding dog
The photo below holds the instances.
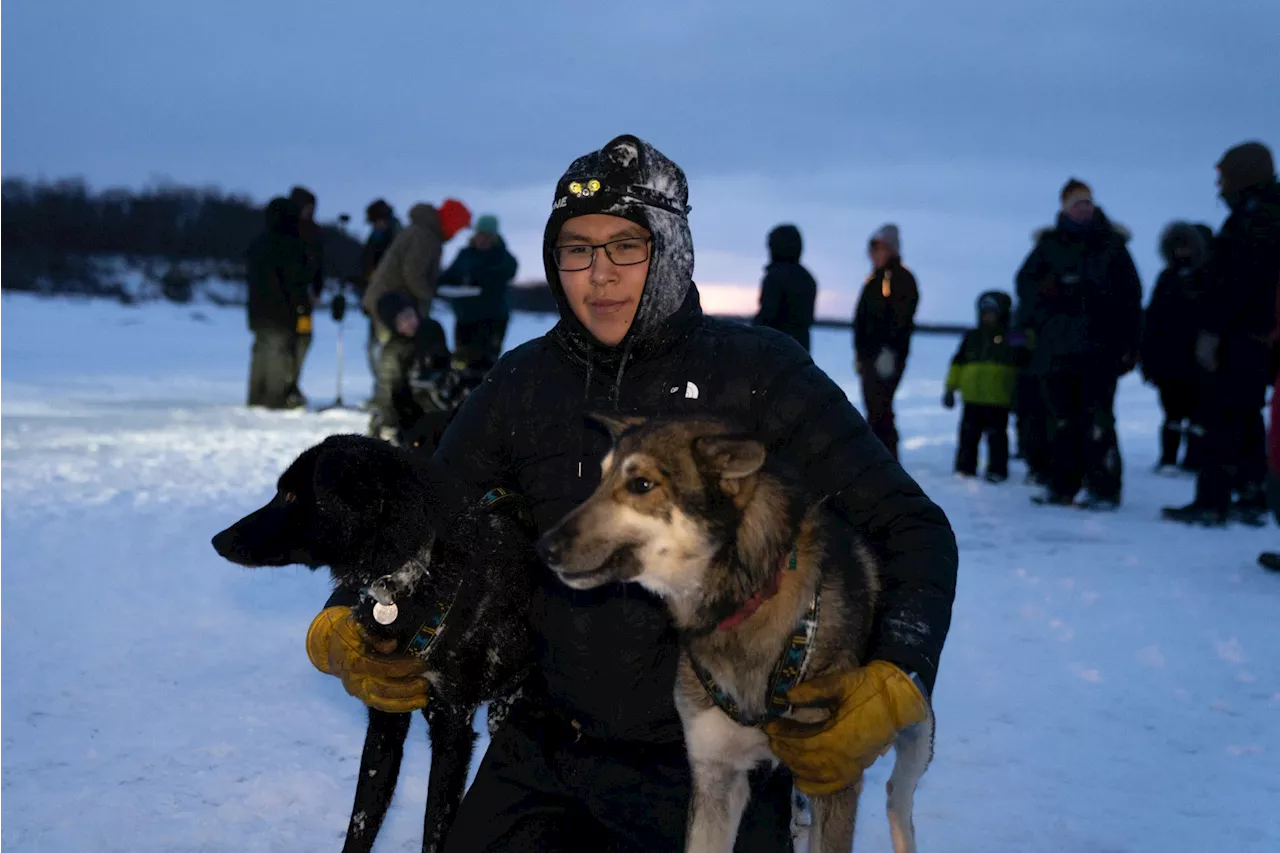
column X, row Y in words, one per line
column 594, row 757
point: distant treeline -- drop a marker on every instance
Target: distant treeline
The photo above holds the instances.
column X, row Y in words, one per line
column 53, row 231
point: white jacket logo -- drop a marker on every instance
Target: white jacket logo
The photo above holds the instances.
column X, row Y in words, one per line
column 690, row 391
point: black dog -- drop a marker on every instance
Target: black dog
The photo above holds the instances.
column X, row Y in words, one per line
column 372, row 513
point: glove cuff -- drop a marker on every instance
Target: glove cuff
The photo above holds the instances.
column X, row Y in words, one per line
column 319, row 634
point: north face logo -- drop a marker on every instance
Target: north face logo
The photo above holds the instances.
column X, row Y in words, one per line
column 690, row 391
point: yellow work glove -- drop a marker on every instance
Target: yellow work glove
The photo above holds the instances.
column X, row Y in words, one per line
column 869, row 706
column 337, row 646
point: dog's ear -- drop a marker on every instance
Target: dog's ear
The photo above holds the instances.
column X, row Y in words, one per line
column 339, row 477
column 615, row 424
column 731, row 457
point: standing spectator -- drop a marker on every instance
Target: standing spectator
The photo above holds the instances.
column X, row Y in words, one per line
column 408, row 273
column 984, row 371
column 482, row 273
column 788, row 291
column 882, row 326
column 383, row 229
column 1080, row 298
column 1237, row 322
column 1169, row 342
column 304, row 201
column 275, row 268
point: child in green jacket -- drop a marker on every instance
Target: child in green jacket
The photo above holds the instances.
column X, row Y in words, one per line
column 984, row 371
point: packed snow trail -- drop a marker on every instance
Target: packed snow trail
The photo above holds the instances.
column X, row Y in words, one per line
column 1110, row 682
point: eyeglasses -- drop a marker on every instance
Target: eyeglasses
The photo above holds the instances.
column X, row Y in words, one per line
column 626, row 252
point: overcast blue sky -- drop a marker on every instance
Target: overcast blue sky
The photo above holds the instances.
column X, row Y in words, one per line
column 960, row 122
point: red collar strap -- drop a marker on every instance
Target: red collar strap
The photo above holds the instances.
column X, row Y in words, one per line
column 755, row 602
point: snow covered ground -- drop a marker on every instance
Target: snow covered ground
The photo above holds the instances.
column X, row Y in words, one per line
column 1110, row 683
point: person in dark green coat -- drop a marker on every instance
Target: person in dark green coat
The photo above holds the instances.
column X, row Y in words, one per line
column 985, row 371
column 476, row 284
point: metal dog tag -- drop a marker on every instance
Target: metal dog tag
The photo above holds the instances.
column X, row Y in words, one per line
column 385, row 614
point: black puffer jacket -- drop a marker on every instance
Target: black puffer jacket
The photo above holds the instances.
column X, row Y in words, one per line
column 276, row 271
column 1079, row 294
column 788, row 291
column 885, row 316
column 608, row 657
column 1172, row 321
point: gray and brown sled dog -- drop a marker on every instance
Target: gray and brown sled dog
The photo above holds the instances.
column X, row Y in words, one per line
column 765, row 590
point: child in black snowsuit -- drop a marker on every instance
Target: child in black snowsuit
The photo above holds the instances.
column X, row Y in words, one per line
column 984, row 371
column 416, row 350
column 1169, row 334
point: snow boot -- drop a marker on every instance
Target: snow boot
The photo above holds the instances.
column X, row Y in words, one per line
column 1195, row 514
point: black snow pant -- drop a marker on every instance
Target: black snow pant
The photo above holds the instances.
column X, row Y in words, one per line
column 1033, row 424
column 1235, row 455
column 271, row 368
column 479, row 342
column 975, row 422
column 1082, row 429
column 1180, row 399
column 542, row 786
column 877, row 397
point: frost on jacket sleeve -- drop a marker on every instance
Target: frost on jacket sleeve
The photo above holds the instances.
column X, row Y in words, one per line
column 809, row 422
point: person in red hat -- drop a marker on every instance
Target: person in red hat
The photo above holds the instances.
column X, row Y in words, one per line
column 399, row 299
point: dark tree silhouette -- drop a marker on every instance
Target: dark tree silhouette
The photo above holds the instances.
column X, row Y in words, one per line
column 55, row 235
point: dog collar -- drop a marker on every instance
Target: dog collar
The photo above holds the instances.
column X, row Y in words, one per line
column 752, row 604
column 787, row 672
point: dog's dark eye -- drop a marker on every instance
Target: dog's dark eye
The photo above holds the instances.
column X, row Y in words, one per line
column 290, row 497
column 640, row 485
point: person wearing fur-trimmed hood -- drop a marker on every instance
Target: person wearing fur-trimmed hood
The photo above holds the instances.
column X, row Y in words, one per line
column 1080, row 300
column 1169, row 330
column 594, row 758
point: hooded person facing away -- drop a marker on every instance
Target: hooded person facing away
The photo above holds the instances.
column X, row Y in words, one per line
column 594, row 759
column 278, row 281
column 1234, row 346
column 788, row 292
column 1169, row 331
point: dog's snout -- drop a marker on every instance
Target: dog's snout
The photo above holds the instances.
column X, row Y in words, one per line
column 550, row 548
column 223, row 542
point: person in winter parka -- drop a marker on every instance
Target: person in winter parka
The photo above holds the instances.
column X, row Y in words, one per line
column 482, row 272
column 1080, row 299
column 276, row 273
column 985, row 370
column 1234, row 346
column 1170, row 328
column 882, row 327
column 399, row 298
column 788, row 292
column 594, row 758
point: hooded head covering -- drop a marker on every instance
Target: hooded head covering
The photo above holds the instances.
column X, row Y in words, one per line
column 379, row 209
column 281, row 217
column 785, row 244
column 1244, row 167
column 997, row 301
column 1184, row 235
column 631, row 179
